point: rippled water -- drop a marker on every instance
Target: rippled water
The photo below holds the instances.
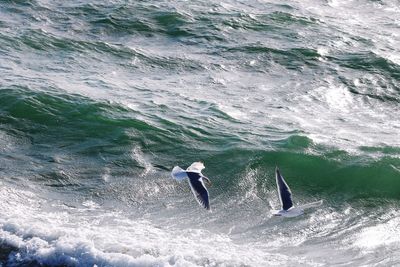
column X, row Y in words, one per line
column 98, row 101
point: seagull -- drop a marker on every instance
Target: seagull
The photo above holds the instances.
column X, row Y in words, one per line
column 196, row 181
column 285, row 198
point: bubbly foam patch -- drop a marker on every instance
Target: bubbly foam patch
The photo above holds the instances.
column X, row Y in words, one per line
column 37, row 231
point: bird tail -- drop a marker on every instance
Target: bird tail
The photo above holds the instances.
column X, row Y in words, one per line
column 178, row 173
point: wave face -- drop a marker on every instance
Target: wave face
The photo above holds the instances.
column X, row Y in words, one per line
column 99, row 101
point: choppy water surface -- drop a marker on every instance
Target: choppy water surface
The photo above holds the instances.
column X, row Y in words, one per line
column 98, row 101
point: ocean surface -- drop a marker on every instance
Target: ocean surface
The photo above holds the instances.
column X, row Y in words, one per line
column 99, row 100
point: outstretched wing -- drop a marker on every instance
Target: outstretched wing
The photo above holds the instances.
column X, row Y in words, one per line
column 178, row 173
column 199, row 190
column 285, row 195
column 196, row 167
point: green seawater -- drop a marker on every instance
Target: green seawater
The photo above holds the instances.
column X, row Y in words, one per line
column 100, row 100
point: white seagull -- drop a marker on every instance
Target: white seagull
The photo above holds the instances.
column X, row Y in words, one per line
column 285, row 197
column 196, row 181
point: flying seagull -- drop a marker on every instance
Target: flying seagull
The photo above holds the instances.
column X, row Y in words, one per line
column 285, row 197
column 196, row 181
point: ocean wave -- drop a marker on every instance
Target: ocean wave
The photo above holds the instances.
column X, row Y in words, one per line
column 370, row 62
column 53, row 234
column 100, row 131
column 99, row 101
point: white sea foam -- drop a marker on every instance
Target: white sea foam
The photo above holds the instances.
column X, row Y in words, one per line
column 233, row 112
column 140, row 158
column 56, row 234
column 382, row 235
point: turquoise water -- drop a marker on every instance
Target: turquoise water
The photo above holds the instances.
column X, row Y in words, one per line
column 99, row 101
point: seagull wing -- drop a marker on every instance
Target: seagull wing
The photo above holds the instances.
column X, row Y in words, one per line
column 285, row 195
column 199, row 190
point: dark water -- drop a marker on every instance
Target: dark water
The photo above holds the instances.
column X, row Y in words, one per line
column 99, row 101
